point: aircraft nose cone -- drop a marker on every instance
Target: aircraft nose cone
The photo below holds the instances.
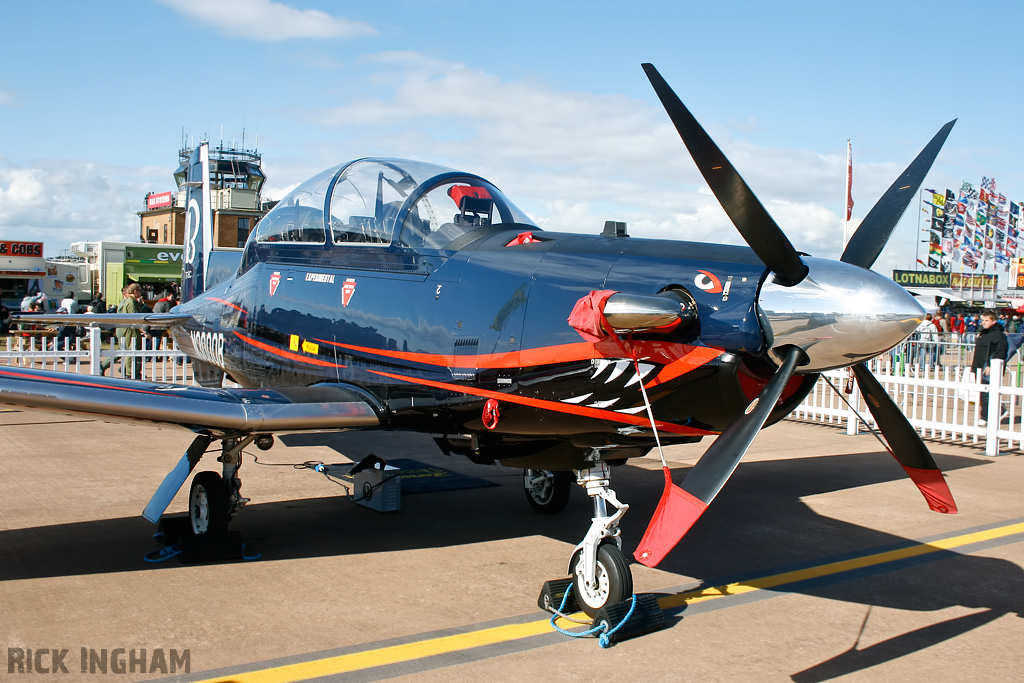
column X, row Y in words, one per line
column 839, row 314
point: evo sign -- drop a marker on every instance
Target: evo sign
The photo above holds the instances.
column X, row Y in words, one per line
column 161, row 255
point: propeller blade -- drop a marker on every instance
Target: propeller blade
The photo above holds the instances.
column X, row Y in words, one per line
column 746, row 212
column 871, row 237
column 680, row 507
column 907, row 446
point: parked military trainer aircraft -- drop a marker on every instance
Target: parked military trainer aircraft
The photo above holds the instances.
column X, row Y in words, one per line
column 400, row 295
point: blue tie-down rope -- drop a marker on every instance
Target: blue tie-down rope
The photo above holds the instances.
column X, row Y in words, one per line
column 250, row 557
column 167, row 552
column 605, row 638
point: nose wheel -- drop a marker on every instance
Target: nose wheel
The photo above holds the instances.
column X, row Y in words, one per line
column 612, row 581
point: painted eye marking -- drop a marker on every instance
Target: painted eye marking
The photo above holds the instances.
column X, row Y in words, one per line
column 708, row 282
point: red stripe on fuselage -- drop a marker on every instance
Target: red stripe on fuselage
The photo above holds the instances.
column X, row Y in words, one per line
column 226, row 303
column 554, row 406
column 287, row 354
column 512, row 359
column 678, row 359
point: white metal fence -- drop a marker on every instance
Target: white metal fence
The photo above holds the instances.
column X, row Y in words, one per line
column 159, row 360
column 940, row 401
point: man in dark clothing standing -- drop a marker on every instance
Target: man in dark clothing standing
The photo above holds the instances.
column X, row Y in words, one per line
column 989, row 344
column 165, row 303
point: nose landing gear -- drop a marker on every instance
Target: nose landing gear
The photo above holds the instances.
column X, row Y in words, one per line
column 600, row 582
column 600, row 573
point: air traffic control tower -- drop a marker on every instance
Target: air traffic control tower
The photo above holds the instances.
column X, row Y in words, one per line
column 236, row 183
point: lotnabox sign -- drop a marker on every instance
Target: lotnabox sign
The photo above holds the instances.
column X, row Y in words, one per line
column 918, row 278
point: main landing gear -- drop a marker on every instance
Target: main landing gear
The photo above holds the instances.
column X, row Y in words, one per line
column 547, row 491
column 599, row 571
column 215, row 499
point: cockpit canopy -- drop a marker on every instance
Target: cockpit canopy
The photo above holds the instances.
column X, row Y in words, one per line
column 380, row 202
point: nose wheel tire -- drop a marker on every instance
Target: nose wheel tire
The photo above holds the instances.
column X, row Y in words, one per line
column 208, row 504
column 613, row 582
column 548, row 491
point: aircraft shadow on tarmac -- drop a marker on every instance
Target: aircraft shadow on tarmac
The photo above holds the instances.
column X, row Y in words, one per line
column 758, row 526
column 857, row 659
column 770, row 530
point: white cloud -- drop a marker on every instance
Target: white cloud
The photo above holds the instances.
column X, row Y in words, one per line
column 59, row 201
column 266, row 20
column 573, row 160
column 6, row 98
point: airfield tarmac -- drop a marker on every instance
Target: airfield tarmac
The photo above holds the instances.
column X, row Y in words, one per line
column 819, row 560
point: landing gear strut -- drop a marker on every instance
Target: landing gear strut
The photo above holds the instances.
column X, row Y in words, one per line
column 213, row 499
column 600, row 573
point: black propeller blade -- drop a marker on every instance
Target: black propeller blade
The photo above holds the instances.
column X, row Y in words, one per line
column 717, row 464
column 874, row 231
column 905, row 443
column 757, row 227
column 680, row 507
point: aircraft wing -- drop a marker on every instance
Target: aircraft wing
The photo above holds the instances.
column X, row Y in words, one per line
column 161, row 320
column 321, row 406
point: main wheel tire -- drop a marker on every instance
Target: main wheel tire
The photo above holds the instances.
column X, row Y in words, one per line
column 547, row 491
column 208, row 504
column 612, row 578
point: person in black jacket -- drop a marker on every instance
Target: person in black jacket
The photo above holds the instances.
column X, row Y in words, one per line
column 989, row 344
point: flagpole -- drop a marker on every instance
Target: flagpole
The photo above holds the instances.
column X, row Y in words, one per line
column 917, row 240
column 848, row 199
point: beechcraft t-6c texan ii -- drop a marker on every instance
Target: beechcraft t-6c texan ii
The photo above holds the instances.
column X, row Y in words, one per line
column 399, row 295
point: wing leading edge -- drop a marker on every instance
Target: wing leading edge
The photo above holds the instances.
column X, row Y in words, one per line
column 322, row 406
column 136, row 320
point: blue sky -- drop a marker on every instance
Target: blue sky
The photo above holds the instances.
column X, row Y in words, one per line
column 547, row 100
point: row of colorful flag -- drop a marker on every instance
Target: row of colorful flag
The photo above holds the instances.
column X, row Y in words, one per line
column 974, row 229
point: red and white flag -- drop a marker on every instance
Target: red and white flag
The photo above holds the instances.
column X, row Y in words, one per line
column 849, row 180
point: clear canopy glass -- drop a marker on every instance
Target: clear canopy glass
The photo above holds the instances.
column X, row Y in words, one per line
column 377, row 202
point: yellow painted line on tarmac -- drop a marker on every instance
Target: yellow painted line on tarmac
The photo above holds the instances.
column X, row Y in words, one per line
column 389, row 655
column 693, row 597
column 394, row 654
